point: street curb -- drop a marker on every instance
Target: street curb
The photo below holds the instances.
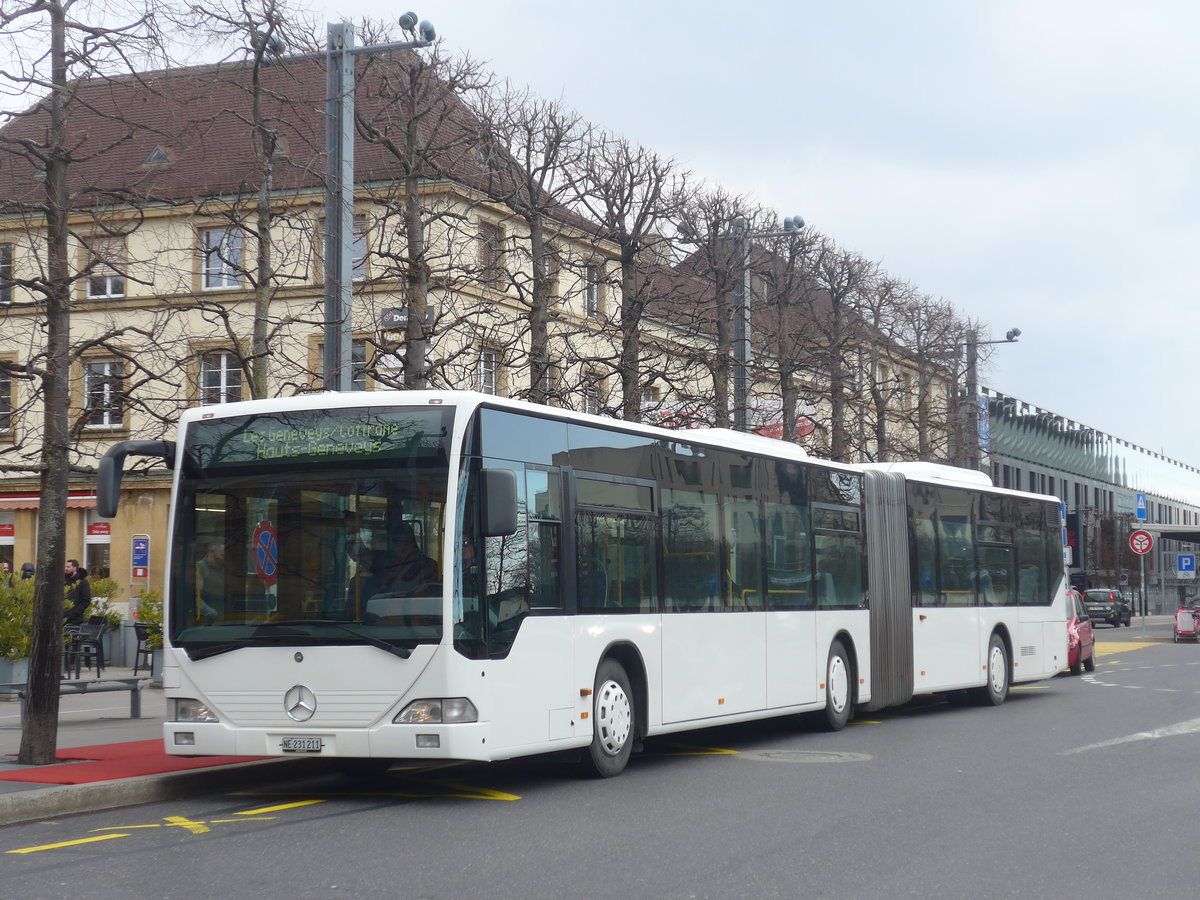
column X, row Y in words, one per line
column 68, row 799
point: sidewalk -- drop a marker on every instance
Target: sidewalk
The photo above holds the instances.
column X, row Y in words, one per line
column 108, row 759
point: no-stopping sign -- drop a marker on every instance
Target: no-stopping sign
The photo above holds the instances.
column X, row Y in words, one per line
column 1141, row 542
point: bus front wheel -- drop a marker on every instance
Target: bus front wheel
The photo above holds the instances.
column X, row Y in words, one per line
column 839, row 688
column 612, row 721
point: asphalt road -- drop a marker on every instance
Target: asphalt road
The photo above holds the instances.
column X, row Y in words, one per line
column 1080, row 786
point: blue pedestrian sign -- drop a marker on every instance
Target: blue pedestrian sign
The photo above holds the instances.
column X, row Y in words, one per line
column 1185, row 565
column 1141, row 507
column 139, row 557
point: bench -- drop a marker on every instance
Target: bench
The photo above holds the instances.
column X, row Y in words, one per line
column 90, row 686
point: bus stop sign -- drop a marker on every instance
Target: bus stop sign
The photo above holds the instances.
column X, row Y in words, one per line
column 1141, row 542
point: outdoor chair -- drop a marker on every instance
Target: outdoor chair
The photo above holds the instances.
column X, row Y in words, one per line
column 144, row 656
column 89, row 645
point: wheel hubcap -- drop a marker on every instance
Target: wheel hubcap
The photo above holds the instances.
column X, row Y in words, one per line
column 614, row 717
column 999, row 675
column 839, row 684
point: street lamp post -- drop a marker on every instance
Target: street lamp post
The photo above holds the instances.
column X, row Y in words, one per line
column 741, row 322
column 339, row 186
column 971, row 438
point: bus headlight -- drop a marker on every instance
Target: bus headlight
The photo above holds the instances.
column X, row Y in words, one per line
column 438, row 711
column 188, row 710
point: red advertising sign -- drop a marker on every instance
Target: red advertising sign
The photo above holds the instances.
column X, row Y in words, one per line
column 8, row 530
column 99, row 528
column 1141, row 542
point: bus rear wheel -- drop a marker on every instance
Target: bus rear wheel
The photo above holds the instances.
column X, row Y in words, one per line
column 839, row 689
column 612, row 721
column 995, row 691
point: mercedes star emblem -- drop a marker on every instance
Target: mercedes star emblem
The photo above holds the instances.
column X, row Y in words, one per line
column 300, row 703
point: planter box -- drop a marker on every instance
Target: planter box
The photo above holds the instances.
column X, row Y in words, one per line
column 14, row 671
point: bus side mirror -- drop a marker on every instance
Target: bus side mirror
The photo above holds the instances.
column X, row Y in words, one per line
column 498, row 501
column 112, row 468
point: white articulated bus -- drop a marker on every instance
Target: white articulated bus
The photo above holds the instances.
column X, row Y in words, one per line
column 450, row 575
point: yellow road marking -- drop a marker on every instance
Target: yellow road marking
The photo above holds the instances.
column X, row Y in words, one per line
column 865, row 722
column 1108, row 648
column 59, row 846
column 688, row 750
column 180, row 822
column 280, row 807
column 475, row 793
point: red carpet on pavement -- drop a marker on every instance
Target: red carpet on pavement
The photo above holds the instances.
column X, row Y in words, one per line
column 108, row 762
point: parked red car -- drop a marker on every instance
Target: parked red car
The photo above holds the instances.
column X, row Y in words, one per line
column 1081, row 639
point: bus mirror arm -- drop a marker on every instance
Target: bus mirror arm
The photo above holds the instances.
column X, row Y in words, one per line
column 112, row 468
column 498, row 501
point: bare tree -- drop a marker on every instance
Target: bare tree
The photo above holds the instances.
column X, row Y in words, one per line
column 931, row 331
column 533, row 146
column 631, row 194
column 704, row 224
column 841, row 277
column 785, row 265
column 54, row 47
column 415, row 114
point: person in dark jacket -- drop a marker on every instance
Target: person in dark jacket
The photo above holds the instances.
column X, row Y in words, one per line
column 79, row 593
column 26, row 570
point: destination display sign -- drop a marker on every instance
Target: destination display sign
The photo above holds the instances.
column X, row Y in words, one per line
column 348, row 434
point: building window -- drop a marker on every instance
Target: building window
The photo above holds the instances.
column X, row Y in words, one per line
column 591, row 398
column 220, row 378
column 592, row 299
column 6, row 402
column 358, row 253
column 104, row 405
column 358, row 366
column 549, row 266
column 490, row 257
column 97, row 542
column 486, row 372
column 222, row 249
column 6, row 273
column 906, row 392
column 105, row 259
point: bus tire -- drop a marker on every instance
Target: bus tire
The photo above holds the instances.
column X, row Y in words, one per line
column 995, row 691
column 612, row 722
column 839, row 689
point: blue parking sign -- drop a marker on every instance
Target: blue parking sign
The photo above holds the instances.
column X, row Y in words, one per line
column 1185, row 563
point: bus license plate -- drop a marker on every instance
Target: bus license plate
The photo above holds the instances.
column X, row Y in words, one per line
column 301, row 745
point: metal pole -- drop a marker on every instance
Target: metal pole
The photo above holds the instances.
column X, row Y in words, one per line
column 1142, row 573
column 339, row 205
column 971, row 438
column 741, row 325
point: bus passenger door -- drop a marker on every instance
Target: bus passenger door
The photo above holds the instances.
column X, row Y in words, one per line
column 528, row 632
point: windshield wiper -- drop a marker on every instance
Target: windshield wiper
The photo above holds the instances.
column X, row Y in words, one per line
column 204, row 652
column 402, row 652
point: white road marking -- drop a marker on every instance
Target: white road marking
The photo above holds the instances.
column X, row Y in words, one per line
column 1192, row 726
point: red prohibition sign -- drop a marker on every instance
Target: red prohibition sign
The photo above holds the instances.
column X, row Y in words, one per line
column 1140, row 542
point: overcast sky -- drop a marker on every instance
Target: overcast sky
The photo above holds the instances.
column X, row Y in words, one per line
column 1035, row 163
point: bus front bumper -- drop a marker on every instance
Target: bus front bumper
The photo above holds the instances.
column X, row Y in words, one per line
column 426, row 741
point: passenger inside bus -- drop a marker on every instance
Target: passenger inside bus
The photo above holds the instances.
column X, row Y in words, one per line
column 404, row 570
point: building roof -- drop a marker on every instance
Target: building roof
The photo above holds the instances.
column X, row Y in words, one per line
column 187, row 134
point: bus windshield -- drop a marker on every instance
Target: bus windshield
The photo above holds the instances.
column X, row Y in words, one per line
column 311, row 527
